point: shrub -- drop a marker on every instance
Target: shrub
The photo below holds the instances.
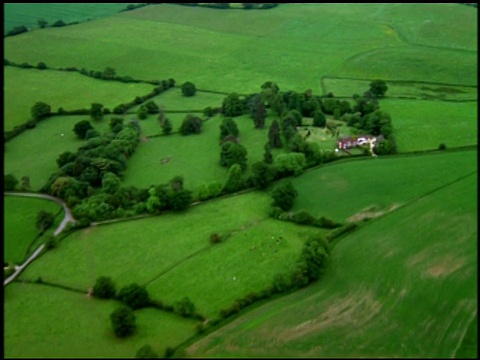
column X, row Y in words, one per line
column 188, row 89
column 442, row 146
column 134, row 296
column 123, row 321
column 104, row 288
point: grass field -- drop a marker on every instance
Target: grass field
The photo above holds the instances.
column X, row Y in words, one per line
column 403, row 286
column 19, row 217
column 43, row 324
column 23, row 88
column 18, row 14
column 339, row 191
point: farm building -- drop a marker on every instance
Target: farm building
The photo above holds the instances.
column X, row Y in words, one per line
column 354, row 141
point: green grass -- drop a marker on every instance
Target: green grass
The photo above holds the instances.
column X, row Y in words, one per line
column 403, row 286
column 20, row 215
column 424, row 125
column 34, row 152
column 341, row 190
column 39, row 322
column 29, row 14
column 70, row 90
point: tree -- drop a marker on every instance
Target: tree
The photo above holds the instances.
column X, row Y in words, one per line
column 152, row 107
column 263, row 174
column 96, row 111
column 313, row 258
column 167, row 126
column 228, row 127
column 319, row 119
column 232, row 105
column 234, row 179
column 42, row 23
column 109, row 73
column 134, row 296
column 116, row 124
column 260, row 115
column 40, row 110
column 9, row 182
column 378, row 88
column 80, row 129
column 146, row 352
column 284, row 195
column 110, row 182
column 232, row 153
column 180, row 199
column 267, row 155
column 59, row 23
column 142, row 112
column 123, row 321
column 104, row 288
column 289, row 164
column 41, row 66
column 191, row 125
column 274, row 137
column 44, row 220
column 25, row 183
column 184, row 307
column 188, row 89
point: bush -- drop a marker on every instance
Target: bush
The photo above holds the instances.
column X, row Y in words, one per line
column 442, row 146
column 134, row 296
column 188, row 89
column 146, row 352
column 104, row 288
column 191, row 125
column 123, row 321
column 215, row 238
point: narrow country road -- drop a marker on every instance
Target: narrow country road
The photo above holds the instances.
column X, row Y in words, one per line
column 67, row 218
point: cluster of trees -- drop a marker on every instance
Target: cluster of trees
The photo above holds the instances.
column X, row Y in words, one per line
column 246, row 6
column 42, row 24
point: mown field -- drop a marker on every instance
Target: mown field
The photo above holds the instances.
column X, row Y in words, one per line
column 403, row 286
column 19, row 218
column 18, row 14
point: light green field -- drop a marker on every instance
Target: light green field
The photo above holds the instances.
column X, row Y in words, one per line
column 196, row 157
column 424, row 125
column 34, row 153
column 341, row 190
column 348, row 87
column 217, row 51
column 43, row 324
column 19, row 217
column 17, row 14
column 70, row 90
column 403, row 286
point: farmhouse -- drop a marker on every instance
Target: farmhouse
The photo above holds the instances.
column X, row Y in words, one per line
column 354, row 141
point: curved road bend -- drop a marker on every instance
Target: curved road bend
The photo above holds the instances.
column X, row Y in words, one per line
column 68, row 218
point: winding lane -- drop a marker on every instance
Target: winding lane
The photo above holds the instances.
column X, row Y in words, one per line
column 67, row 219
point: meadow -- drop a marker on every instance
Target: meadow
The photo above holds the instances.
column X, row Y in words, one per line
column 20, row 215
column 401, row 285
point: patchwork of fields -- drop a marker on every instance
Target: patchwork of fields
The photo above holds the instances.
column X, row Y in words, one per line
column 403, row 284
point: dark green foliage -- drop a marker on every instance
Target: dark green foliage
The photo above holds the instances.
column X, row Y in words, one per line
column 232, row 153
column 166, row 127
column 152, row 107
column 234, row 179
column 104, row 288
column 263, row 174
column 442, row 146
column 289, row 164
column 184, row 307
column 134, row 296
column 96, row 111
column 40, row 110
column 378, row 88
column 319, row 119
column 188, row 89
column 44, row 220
column 267, row 155
column 180, row 200
column 25, row 183
column 91, row 133
column 80, row 129
column 146, row 352
column 109, row 73
column 282, row 283
column 50, row 243
column 142, row 112
column 274, row 137
column 215, row 238
column 209, row 111
column 228, row 127
column 41, row 66
column 191, row 124
column 17, row 30
column 58, row 23
column 233, row 106
column 123, row 321
column 116, row 124
column 284, row 195
column 9, row 182
column 120, row 109
column 313, row 258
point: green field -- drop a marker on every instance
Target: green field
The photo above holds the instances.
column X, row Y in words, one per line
column 377, row 182
column 29, row 14
column 69, row 90
column 403, row 286
column 19, row 218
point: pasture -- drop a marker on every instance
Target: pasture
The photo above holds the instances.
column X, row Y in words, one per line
column 42, row 324
column 341, row 190
column 402, row 286
column 69, row 90
column 18, row 14
column 20, row 215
